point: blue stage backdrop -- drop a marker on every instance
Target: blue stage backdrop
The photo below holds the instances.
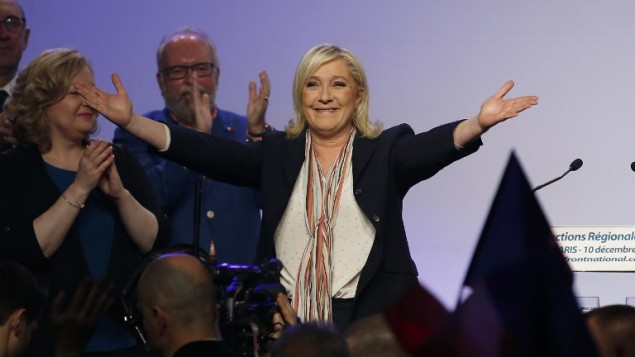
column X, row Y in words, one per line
column 428, row 62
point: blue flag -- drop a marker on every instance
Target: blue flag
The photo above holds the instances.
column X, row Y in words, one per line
column 521, row 300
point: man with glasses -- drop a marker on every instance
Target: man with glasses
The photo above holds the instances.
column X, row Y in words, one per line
column 14, row 37
column 188, row 73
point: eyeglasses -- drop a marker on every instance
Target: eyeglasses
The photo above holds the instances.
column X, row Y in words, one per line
column 179, row 72
column 13, row 23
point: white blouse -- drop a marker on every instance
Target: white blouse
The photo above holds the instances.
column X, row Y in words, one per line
column 353, row 238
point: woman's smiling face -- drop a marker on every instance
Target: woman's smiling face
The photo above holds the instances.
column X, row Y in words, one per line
column 330, row 98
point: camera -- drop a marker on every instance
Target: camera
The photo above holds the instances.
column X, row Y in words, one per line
column 245, row 294
column 247, row 300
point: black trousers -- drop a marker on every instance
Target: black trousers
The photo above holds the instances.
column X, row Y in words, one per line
column 342, row 313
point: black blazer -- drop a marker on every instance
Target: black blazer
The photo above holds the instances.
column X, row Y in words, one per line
column 384, row 169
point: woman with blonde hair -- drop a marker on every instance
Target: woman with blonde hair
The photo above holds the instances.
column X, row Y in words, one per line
column 332, row 185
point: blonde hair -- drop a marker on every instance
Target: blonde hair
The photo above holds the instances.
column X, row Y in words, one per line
column 312, row 60
column 44, row 82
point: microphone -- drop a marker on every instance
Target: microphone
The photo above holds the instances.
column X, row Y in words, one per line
column 574, row 166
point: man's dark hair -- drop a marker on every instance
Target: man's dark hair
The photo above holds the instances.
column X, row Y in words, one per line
column 613, row 329
column 372, row 336
column 310, row 340
column 18, row 290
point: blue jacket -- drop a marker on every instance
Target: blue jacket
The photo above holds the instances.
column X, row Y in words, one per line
column 230, row 215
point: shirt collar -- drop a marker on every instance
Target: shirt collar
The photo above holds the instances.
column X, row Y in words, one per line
column 9, row 86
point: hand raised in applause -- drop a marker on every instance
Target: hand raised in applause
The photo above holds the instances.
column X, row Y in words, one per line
column 110, row 182
column 203, row 120
column 97, row 158
column 258, row 102
column 74, row 326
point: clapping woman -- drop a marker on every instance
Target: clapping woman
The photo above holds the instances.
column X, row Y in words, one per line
column 72, row 207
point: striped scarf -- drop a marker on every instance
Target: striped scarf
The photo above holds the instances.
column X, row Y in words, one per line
column 312, row 298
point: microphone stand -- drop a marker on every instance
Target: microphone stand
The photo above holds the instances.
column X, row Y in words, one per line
column 198, row 192
column 550, row 182
column 574, row 166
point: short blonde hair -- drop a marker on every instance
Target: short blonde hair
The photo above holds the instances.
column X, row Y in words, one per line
column 44, row 82
column 312, row 60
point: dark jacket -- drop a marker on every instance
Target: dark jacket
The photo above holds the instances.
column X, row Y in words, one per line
column 27, row 191
column 384, row 169
column 205, row 349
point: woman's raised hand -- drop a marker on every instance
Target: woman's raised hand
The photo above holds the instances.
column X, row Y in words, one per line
column 497, row 109
column 115, row 107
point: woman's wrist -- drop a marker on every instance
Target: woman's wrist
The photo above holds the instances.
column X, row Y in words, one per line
column 466, row 131
column 121, row 195
column 76, row 195
column 130, row 124
column 257, row 135
column 72, row 203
